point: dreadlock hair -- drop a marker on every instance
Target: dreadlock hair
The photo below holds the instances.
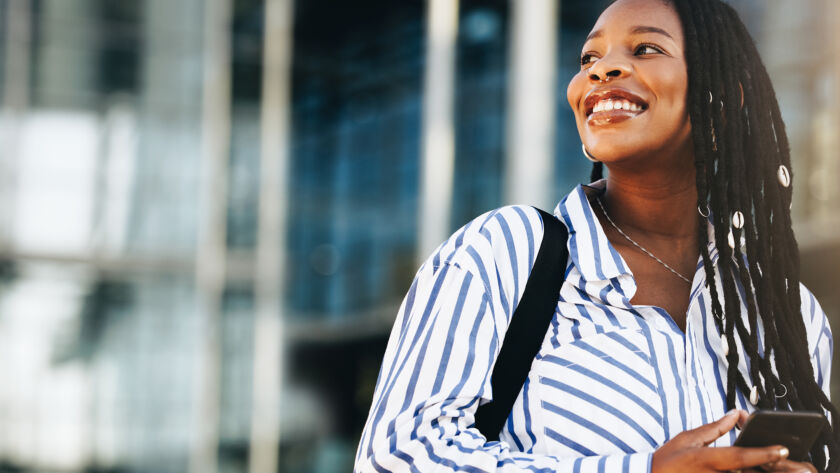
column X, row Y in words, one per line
column 741, row 153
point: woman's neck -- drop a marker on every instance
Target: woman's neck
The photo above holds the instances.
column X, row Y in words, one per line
column 660, row 205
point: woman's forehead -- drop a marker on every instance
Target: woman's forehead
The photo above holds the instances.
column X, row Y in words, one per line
column 625, row 16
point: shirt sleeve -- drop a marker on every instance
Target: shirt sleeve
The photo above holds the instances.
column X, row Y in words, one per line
column 435, row 373
column 820, row 340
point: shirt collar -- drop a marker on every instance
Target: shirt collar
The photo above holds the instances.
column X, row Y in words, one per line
column 602, row 269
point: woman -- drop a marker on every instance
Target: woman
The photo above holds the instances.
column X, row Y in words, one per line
column 673, row 258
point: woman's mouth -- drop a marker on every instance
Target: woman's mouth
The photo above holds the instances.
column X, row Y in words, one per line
column 607, row 107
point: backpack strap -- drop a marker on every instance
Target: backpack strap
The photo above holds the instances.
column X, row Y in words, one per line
column 527, row 328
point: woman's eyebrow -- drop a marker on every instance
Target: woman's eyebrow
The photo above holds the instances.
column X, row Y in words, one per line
column 649, row 29
column 635, row 30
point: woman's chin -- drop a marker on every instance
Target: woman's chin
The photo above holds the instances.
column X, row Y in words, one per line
column 609, row 153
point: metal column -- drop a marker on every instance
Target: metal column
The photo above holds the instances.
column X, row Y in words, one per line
column 273, row 204
column 529, row 165
column 438, row 135
column 212, row 241
column 15, row 94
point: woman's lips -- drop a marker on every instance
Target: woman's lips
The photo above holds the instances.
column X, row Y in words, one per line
column 610, row 117
column 611, row 105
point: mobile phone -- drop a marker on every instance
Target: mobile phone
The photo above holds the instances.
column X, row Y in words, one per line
column 795, row 430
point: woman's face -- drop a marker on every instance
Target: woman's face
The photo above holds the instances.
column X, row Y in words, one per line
column 629, row 98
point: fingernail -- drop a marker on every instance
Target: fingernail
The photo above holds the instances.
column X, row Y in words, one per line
column 784, row 452
column 731, row 413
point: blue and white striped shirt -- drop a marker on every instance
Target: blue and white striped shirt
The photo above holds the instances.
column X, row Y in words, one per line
column 611, row 383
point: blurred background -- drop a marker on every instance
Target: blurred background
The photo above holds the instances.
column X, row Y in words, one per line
column 210, row 209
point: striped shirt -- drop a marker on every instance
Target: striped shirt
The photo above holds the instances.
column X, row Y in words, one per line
column 612, row 381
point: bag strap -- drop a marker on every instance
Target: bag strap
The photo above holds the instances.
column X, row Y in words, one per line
column 527, row 328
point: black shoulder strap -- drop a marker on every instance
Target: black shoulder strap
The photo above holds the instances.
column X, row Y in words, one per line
column 527, row 328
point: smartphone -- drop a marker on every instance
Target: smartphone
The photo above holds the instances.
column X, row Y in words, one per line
column 795, row 430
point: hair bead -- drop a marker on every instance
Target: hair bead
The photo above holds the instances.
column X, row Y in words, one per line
column 738, row 219
column 754, row 395
column 784, row 176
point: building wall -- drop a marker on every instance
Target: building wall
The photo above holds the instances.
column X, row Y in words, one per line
column 107, row 340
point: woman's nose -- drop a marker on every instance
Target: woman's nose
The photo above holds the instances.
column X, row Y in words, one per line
column 605, row 69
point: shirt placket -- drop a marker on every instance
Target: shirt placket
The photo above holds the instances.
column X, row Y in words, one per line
column 672, row 372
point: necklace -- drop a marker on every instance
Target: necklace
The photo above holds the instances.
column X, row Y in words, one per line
column 638, row 245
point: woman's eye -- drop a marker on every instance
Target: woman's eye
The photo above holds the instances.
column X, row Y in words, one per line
column 585, row 59
column 643, row 49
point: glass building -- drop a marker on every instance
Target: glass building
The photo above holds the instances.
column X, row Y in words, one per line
column 210, row 209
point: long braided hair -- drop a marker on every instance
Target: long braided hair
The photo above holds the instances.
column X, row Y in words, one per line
column 742, row 157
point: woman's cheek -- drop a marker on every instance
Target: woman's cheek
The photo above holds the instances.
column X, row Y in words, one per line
column 574, row 92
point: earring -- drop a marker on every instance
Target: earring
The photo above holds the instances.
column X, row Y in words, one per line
column 586, row 153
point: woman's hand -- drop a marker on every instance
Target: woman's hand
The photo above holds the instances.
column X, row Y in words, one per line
column 689, row 452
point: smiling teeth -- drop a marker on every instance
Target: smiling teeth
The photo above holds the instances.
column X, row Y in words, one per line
column 607, row 105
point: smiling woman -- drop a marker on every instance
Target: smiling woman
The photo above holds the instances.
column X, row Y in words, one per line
column 681, row 307
column 649, row 152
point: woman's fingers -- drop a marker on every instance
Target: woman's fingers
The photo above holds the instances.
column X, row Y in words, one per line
column 742, row 418
column 689, row 451
column 708, row 433
column 739, row 458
